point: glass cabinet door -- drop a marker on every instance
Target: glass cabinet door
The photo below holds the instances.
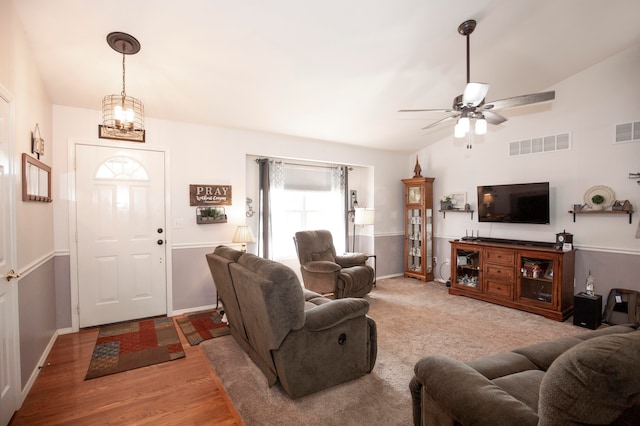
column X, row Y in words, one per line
column 428, row 243
column 536, row 279
column 467, row 273
column 414, row 237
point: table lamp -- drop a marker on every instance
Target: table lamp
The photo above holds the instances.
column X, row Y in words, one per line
column 363, row 216
column 243, row 235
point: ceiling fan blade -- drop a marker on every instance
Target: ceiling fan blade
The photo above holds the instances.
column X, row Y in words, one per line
column 493, row 117
column 520, row 100
column 474, row 93
column 427, row 110
column 435, row 123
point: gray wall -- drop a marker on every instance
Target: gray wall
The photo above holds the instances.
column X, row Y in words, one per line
column 389, row 255
column 609, row 270
column 36, row 292
column 63, row 291
column 192, row 282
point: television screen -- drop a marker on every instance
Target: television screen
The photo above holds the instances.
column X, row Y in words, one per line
column 514, row 203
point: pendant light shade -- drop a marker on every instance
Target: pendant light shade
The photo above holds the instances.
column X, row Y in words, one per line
column 122, row 115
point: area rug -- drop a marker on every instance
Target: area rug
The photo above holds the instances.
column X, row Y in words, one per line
column 200, row 326
column 135, row 344
column 414, row 319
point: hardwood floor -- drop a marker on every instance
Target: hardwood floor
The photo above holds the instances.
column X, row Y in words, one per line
column 186, row 391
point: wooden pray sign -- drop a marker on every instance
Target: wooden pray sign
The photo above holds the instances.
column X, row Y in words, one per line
column 209, row 195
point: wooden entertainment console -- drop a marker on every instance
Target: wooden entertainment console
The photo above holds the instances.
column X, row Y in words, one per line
column 530, row 276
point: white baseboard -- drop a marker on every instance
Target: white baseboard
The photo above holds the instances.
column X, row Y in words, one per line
column 189, row 310
column 389, row 276
column 39, row 365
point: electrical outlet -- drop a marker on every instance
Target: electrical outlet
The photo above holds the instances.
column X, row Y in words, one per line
column 178, row 224
column 435, row 260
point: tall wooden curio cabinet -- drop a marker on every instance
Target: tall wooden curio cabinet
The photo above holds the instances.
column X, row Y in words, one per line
column 418, row 228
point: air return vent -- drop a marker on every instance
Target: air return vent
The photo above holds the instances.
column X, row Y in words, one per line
column 558, row 142
column 628, row 132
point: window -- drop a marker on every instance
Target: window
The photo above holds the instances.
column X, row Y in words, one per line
column 296, row 210
column 122, row 168
column 305, row 197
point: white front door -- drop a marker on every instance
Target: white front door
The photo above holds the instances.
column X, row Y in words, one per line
column 120, row 234
column 9, row 349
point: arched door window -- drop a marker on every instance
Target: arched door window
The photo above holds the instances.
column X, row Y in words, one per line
column 122, row 168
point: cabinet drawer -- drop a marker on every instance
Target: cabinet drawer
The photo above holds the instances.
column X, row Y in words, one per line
column 503, row 257
column 499, row 289
column 500, row 272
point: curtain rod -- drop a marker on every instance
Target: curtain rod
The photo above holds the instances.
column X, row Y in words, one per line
column 305, row 165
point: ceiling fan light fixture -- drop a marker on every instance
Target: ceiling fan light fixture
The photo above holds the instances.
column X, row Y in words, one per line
column 464, row 123
column 481, row 125
column 458, row 130
column 474, row 93
column 122, row 115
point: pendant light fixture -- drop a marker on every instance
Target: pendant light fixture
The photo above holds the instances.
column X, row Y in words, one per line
column 122, row 115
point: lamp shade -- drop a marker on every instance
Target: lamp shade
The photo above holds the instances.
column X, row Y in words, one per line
column 365, row 217
column 481, row 126
column 243, row 235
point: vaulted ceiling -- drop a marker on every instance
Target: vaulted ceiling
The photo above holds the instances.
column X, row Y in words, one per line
column 336, row 70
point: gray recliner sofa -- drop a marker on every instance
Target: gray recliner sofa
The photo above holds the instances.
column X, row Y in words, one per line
column 590, row 379
column 298, row 338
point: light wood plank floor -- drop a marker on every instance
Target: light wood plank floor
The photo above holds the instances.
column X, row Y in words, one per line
column 186, row 391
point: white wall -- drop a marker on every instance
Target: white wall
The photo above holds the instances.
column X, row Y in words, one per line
column 211, row 155
column 588, row 105
column 21, row 78
column 20, row 81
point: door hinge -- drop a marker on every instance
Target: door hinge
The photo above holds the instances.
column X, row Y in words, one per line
column 78, row 308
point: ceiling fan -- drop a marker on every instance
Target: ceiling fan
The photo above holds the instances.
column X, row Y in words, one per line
column 471, row 104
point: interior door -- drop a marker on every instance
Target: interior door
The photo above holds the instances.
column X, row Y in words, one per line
column 120, row 234
column 9, row 349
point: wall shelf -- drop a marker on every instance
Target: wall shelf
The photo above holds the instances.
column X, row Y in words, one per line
column 591, row 212
column 444, row 212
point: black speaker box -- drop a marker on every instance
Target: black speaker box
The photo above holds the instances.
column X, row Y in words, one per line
column 587, row 310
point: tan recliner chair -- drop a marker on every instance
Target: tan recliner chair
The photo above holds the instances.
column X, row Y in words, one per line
column 325, row 272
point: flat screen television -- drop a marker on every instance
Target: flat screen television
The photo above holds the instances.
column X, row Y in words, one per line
column 514, row 203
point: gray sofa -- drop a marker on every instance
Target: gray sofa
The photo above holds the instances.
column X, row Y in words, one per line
column 295, row 336
column 593, row 378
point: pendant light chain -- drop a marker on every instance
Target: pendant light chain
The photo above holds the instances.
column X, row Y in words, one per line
column 124, row 93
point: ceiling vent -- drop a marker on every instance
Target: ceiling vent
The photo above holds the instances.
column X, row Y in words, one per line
column 539, row 145
column 628, row 132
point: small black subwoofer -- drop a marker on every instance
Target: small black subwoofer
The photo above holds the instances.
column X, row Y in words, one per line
column 587, row 310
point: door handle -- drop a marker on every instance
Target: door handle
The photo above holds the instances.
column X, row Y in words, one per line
column 160, row 242
column 12, row 274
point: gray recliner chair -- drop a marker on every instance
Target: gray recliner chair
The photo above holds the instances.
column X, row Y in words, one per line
column 325, row 272
column 296, row 337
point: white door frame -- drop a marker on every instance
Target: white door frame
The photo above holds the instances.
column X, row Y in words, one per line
column 73, row 229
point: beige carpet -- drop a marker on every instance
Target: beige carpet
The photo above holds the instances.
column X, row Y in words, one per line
column 414, row 319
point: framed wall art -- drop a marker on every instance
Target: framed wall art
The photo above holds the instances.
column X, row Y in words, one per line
column 36, row 180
